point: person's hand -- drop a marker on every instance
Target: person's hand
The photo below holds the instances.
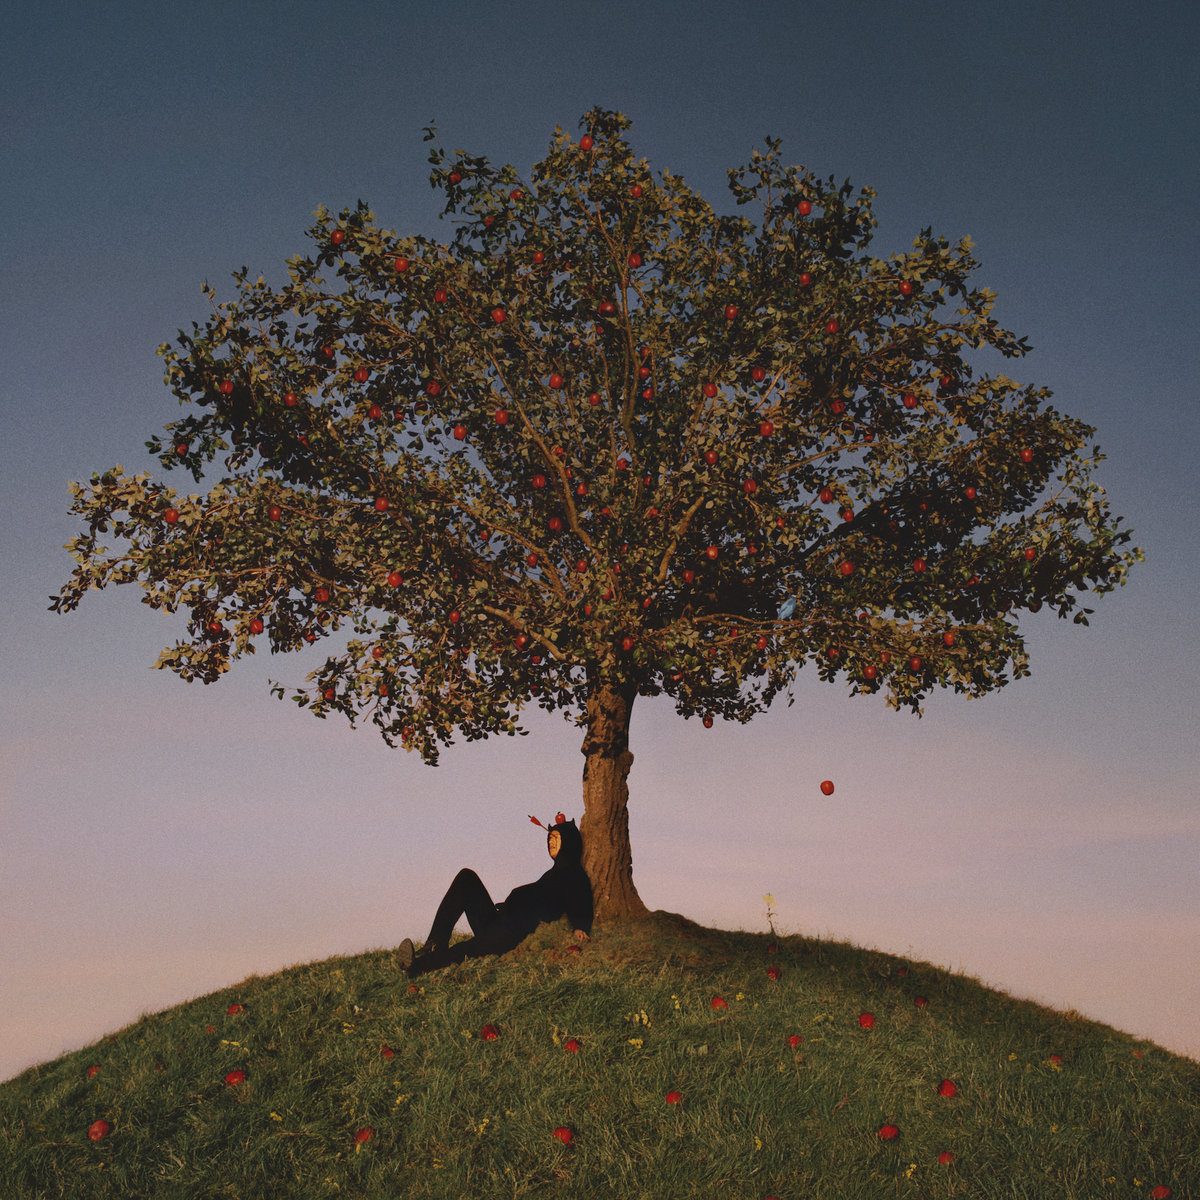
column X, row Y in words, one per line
column 580, row 936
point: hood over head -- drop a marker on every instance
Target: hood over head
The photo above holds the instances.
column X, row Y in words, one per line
column 570, row 849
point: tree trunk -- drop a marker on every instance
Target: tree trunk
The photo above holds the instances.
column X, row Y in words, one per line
column 607, row 857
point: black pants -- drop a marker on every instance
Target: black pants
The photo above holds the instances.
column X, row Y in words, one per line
column 495, row 931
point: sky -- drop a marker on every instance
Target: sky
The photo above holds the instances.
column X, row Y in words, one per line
column 159, row 840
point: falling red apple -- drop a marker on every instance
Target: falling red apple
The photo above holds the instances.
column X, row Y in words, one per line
column 708, row 721
column 827, row 787
column 867, row 1020
column 98, row 1130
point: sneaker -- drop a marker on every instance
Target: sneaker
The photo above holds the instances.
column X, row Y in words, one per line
column 405, row 954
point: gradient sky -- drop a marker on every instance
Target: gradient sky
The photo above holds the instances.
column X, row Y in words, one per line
column 160, row 840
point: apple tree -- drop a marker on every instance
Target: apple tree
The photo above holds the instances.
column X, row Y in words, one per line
column 605, row 442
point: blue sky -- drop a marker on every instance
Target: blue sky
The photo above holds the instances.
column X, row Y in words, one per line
column 158, row 840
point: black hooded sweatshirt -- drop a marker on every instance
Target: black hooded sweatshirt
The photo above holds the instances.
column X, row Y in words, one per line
column 564, row 890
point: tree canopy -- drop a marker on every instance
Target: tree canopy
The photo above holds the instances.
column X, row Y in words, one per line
column 606, row 438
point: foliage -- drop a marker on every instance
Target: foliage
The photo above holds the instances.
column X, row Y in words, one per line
column 607, row 435
column 1045, row 1103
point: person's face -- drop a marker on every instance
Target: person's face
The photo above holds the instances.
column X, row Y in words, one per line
column 554, row 843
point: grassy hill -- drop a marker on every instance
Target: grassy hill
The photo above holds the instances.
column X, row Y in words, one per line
column 671, row 1060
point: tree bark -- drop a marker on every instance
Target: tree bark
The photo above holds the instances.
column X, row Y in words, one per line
column 607, row 856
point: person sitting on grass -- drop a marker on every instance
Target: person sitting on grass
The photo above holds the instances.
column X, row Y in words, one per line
column 563, row 891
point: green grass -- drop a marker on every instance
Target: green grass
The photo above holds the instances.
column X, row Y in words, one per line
column 456, row 1115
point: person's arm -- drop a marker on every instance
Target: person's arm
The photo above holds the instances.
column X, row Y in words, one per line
column 579, row 909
